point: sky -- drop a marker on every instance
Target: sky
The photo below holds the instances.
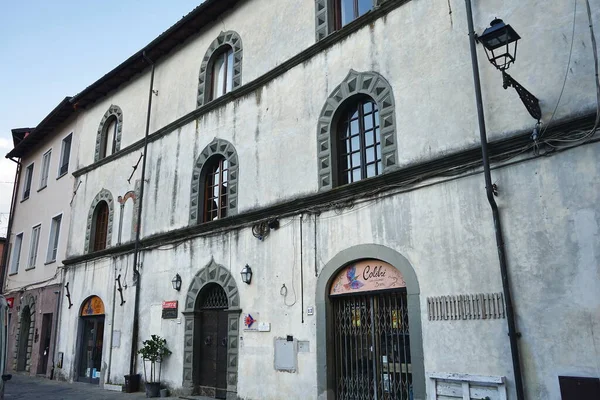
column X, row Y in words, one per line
column 53, row 49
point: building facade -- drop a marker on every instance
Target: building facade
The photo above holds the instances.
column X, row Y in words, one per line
column 38, row 232
column 332, row 149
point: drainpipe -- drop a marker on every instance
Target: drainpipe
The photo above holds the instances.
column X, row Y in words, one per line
column 55, row 341
column 510, row 316
column 4, row 255
column 136, row 272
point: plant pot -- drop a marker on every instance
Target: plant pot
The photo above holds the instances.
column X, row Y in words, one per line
column 132, row 383
column 164, row 392
column 152, row 389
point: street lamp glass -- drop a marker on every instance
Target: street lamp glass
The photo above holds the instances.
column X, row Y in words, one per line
column 176, row 282
column 246, row 274
column 500, row 43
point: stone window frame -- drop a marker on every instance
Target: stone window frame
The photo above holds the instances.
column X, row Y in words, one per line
column 30, row 301
column 227, row 38
column 103, row 195
column 212, row 273
column 324, row 18
column 217, row 147
column 113, row 111
column 375, row 86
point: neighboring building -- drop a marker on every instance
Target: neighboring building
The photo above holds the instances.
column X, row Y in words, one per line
column 38, row 231
column 3, row 245
column 332, row 148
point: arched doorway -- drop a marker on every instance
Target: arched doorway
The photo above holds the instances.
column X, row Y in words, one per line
column 210, row 351
column 24, row 351
column 91, row 323
column 212, row 313
column 369, row 342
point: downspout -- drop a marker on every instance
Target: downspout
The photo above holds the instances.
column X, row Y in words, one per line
column 56, row 320
column 510, row 316
column 136, row 272
column 4, row 255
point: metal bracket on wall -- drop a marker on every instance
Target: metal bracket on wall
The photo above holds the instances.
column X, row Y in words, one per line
column 529, row 100
column 120, row 289
column 68, row 295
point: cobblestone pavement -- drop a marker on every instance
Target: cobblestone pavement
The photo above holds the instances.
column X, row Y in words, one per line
column 22, row 387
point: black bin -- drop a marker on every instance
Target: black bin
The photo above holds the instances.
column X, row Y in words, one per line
column 132, row 383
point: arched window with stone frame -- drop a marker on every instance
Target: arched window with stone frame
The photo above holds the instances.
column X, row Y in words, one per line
column 214, row 189
column 108, row 138
column 100, row 222
column 333, row 15
column 221, row 68
column 356, row 132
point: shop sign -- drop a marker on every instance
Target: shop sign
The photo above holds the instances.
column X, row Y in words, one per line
column 251, row 322
column 366, row 276
column 10, row 301
column 169, row 309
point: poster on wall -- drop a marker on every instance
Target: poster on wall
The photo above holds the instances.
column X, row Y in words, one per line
column 366, row 276
column 92, row 306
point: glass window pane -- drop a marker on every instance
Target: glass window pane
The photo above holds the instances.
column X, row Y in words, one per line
column 229, row 70
column 369, row 138
column 368, row 122
column 368, row 107
column 354, row 127
column 356, row 175
column 348, row 177
column 371, row 171
column 378, row 151
column 356, row 143
column 346, row 163
column 377, row 135
column 218, row 76
column 379, row 167
column 356, row 159
column 347, row 11
column 370, row 152
column 364, row 6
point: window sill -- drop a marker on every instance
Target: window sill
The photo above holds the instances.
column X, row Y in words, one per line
column 30, row 268
column 50, row 262
column 13, row 273
column 24, row 199
column 61, row 175
column 42, row 188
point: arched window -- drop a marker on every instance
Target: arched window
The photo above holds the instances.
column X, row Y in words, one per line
column 221, row 72
column 356, row 132
column 108, row 138
column 100, row 227
column 221, row 68
column 358, row 141
column 215, row 189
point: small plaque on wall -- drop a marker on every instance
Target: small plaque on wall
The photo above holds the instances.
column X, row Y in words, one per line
column 169, row 309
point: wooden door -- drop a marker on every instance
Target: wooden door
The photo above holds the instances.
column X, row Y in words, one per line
column 213, row 362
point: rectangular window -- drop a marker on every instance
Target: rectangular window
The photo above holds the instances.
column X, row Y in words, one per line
column 65, row 154
column 16, row 256
column 33, row 246
column 27, row 183
column 45, row 169
column 346, row 11
column 54, row 236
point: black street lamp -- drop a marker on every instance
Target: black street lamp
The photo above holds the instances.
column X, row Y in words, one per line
column 176, row 282
column 500, row 43
column 246, row 274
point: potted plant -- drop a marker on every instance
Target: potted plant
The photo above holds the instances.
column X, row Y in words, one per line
column 154, row 351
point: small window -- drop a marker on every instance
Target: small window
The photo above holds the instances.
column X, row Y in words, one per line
column 16, row 255
column 27, row 183
column 45, row 169
column 215, row 190
column 54, row 236
column 65, row 154
column 359, row 144
column 346, row 11
column 109, row 137
column 100, row 227
column 33, row 246
column 222, row 73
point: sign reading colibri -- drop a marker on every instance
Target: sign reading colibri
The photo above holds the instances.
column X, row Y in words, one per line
column 169, row 309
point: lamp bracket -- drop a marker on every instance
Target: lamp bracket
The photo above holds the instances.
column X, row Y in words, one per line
column 531, row 103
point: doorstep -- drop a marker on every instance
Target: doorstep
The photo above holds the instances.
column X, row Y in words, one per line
column 113, row 388
column 196, row 398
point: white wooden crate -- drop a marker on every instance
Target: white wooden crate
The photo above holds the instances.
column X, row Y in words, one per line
column 449, row 386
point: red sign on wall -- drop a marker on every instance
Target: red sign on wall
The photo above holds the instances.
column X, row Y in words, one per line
column 169, row 304
column 10, row 301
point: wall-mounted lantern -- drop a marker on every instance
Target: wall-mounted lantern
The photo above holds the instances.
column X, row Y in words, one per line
column 246, row 274
column 176, row 282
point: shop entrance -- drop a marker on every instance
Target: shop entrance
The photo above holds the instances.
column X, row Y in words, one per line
column 211, row 305
column 91, row 339
column 371, row 335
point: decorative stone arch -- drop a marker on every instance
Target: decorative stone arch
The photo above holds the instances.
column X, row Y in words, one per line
column 113, row 111
column 27, row 306
column 106, row 196
column 228, row 38
column 324, row 17
column 216, row 147
column 326, row 277
column 370, row 84
column 212, row 273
